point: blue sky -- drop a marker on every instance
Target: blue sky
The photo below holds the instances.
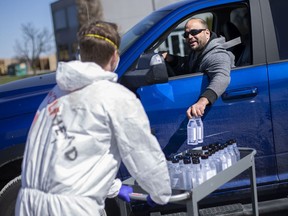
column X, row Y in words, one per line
column 17, row 12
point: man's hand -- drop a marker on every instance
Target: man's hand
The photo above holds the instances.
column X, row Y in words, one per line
column 198, row 108
column 167, row 57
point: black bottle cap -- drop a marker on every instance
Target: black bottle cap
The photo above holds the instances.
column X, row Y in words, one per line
column 187, row 161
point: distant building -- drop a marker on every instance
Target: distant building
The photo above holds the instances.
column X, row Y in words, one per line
column 65, row 24
column 16, row 67
column 126, row 13
column 2, row 67
column 68, row 15
column 4, row 63
column 47, row 63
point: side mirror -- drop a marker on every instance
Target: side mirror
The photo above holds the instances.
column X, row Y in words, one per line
column 151, row 69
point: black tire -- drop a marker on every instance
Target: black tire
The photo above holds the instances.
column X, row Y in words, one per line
column 8, row 197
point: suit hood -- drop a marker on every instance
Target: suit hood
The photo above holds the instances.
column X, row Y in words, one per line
column 74, row 75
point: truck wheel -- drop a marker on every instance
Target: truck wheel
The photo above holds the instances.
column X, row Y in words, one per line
column 8, row 197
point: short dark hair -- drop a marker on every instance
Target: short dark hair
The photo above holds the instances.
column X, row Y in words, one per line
column 202, row 21
column 98, row 41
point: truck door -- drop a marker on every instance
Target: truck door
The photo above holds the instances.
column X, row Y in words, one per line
column 277, row 54
column 243, row 112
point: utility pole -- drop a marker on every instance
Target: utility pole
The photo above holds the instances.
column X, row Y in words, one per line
column 153, row 5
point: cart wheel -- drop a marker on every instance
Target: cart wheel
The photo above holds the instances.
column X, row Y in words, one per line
column 8, row 197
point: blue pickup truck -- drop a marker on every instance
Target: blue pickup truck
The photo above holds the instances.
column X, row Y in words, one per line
column 252, row 110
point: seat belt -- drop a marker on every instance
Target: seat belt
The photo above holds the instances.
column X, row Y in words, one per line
column 231, row 43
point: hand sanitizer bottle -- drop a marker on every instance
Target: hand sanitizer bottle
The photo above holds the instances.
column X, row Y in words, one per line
column 192, row 132
column 200, row 130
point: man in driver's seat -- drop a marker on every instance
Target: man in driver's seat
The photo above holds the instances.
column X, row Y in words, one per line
column 207, row 56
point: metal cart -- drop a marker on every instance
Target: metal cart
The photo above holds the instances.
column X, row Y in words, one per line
column 191, row 198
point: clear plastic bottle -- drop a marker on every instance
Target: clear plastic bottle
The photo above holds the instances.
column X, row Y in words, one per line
column 235, row 148
column 206, row 168
column 174, row 174
column 187, row 172
column 223, row 157
column 216, row 159
column 205, row 149
column 196, row 154
column 227, row 155
column 180, row 158
column 200, row 130
column 197, row 176
column 182, row 174
column 169, row 162
column 192, row 132
column 188, row 154
column 231, row 152
column 213, row 145
column 212, row 164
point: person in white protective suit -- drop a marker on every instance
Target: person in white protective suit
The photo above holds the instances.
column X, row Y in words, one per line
column 84, row 128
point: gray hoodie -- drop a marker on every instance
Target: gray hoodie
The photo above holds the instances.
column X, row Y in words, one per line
column 214, row 61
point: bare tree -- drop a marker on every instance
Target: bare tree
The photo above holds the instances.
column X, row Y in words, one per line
column 34, row 43
column 89, row 10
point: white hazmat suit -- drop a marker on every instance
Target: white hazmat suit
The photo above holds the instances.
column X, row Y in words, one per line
column 85, row 126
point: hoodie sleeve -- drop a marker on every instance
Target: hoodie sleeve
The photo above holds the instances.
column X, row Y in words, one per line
column 217, row 67
column 140, row 150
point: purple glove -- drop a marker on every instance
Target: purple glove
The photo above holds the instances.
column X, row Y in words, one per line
column 150, row 201
column 124, row 193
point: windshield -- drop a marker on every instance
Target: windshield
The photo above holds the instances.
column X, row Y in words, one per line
column 140, row 29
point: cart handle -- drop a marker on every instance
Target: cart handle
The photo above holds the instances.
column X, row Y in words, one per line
column 174, row 198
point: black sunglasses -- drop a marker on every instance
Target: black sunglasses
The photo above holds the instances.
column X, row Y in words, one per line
column 192, row 32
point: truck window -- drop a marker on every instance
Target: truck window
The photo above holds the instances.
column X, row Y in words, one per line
column 140, row 29
column 241, row 20
column 230, row 22
column 278, row 9
column 175, row 43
